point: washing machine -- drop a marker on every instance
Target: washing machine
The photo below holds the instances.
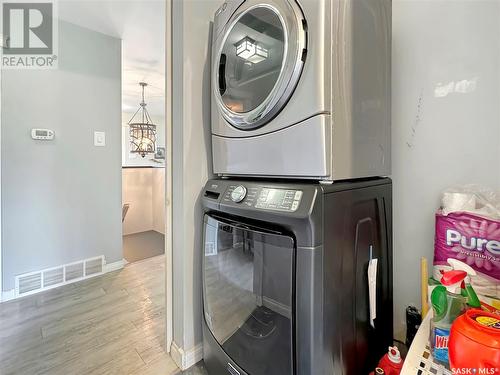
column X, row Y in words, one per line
column 301, row 89
column 297, row 276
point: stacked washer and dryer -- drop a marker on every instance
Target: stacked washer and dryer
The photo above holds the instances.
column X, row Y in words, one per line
column 300, row 213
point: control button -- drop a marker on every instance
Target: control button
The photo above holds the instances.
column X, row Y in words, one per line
column 295, row 205
column 238, row 194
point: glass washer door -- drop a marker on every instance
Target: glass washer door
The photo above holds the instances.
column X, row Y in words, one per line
column 259, row 62
column 248, row 288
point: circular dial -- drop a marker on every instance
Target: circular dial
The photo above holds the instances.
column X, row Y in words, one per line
column 238, row 194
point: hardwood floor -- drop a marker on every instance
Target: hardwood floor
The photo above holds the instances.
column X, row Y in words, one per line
column 111, row 324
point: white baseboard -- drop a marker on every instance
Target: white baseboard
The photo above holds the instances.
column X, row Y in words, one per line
column 110, row 267
column 186, row 359
column 7, row 295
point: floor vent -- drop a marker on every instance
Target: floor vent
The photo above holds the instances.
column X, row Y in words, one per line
column 53, row 277
column 34, row 282
column 30, row 283
column 74, row 271
column 93, row 266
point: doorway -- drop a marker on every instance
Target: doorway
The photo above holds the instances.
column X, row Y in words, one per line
column 143, row 133
column 107, row 48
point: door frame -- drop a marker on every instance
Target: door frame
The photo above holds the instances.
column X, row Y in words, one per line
column 168, row 178
column 2, row 294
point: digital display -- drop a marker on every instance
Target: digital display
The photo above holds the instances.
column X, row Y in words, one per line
column 41, row 133
column 275, row 196
column 279, row 199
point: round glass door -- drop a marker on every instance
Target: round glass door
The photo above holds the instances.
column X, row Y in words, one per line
column 256, row 65
column 253, row 54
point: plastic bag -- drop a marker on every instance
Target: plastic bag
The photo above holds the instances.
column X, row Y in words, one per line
column 474, row 199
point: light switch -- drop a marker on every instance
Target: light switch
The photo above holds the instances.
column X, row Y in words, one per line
column 100, row 139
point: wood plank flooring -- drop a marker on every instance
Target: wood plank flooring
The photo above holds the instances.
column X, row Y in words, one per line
column 111, row 324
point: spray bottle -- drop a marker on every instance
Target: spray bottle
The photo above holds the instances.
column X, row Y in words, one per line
column 466, row 288
column 448, row 304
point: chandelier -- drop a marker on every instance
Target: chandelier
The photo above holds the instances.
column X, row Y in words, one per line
column 142, row 131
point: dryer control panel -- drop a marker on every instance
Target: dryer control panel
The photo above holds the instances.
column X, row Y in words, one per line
column 264, row 198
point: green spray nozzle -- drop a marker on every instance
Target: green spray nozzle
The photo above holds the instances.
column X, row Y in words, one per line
column 439, row 302
column 467, row 291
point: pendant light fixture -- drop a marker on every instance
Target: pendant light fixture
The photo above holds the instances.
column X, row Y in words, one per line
column 142, row 131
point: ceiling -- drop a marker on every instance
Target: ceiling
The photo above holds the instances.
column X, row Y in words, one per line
column 141, row 26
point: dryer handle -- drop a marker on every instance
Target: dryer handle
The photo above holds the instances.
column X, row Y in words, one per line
column 222, row 74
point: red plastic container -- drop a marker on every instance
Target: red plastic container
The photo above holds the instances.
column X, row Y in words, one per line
column 391, row 362
column 474, row 343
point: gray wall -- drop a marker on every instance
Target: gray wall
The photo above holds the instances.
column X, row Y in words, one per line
column 445, row 121
column 61, row 200
column 191, row 160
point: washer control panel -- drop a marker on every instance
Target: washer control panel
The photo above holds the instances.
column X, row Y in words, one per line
column 279, row 199
column 264, row 198
column 240, row 194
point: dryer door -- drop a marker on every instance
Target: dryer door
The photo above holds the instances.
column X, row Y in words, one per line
column 259, row 58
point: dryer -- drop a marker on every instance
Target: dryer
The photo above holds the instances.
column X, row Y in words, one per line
column 301, row 89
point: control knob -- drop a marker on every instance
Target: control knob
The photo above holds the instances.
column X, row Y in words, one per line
column 238, row 194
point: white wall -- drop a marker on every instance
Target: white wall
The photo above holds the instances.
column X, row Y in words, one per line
column 61, row 200
column 191, row 160
column 137, row 187
column 445, row 120
column 144, row 191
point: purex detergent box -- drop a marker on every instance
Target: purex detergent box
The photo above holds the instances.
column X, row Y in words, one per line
column 474, row 240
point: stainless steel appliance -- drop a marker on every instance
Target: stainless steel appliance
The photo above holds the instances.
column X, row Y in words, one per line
column 285, row 276
column 301, row 89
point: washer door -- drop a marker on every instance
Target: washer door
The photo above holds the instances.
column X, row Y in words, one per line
column 248, row 294
column 258, row 62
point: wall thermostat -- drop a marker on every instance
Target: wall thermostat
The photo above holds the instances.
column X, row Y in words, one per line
column 42, row 134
